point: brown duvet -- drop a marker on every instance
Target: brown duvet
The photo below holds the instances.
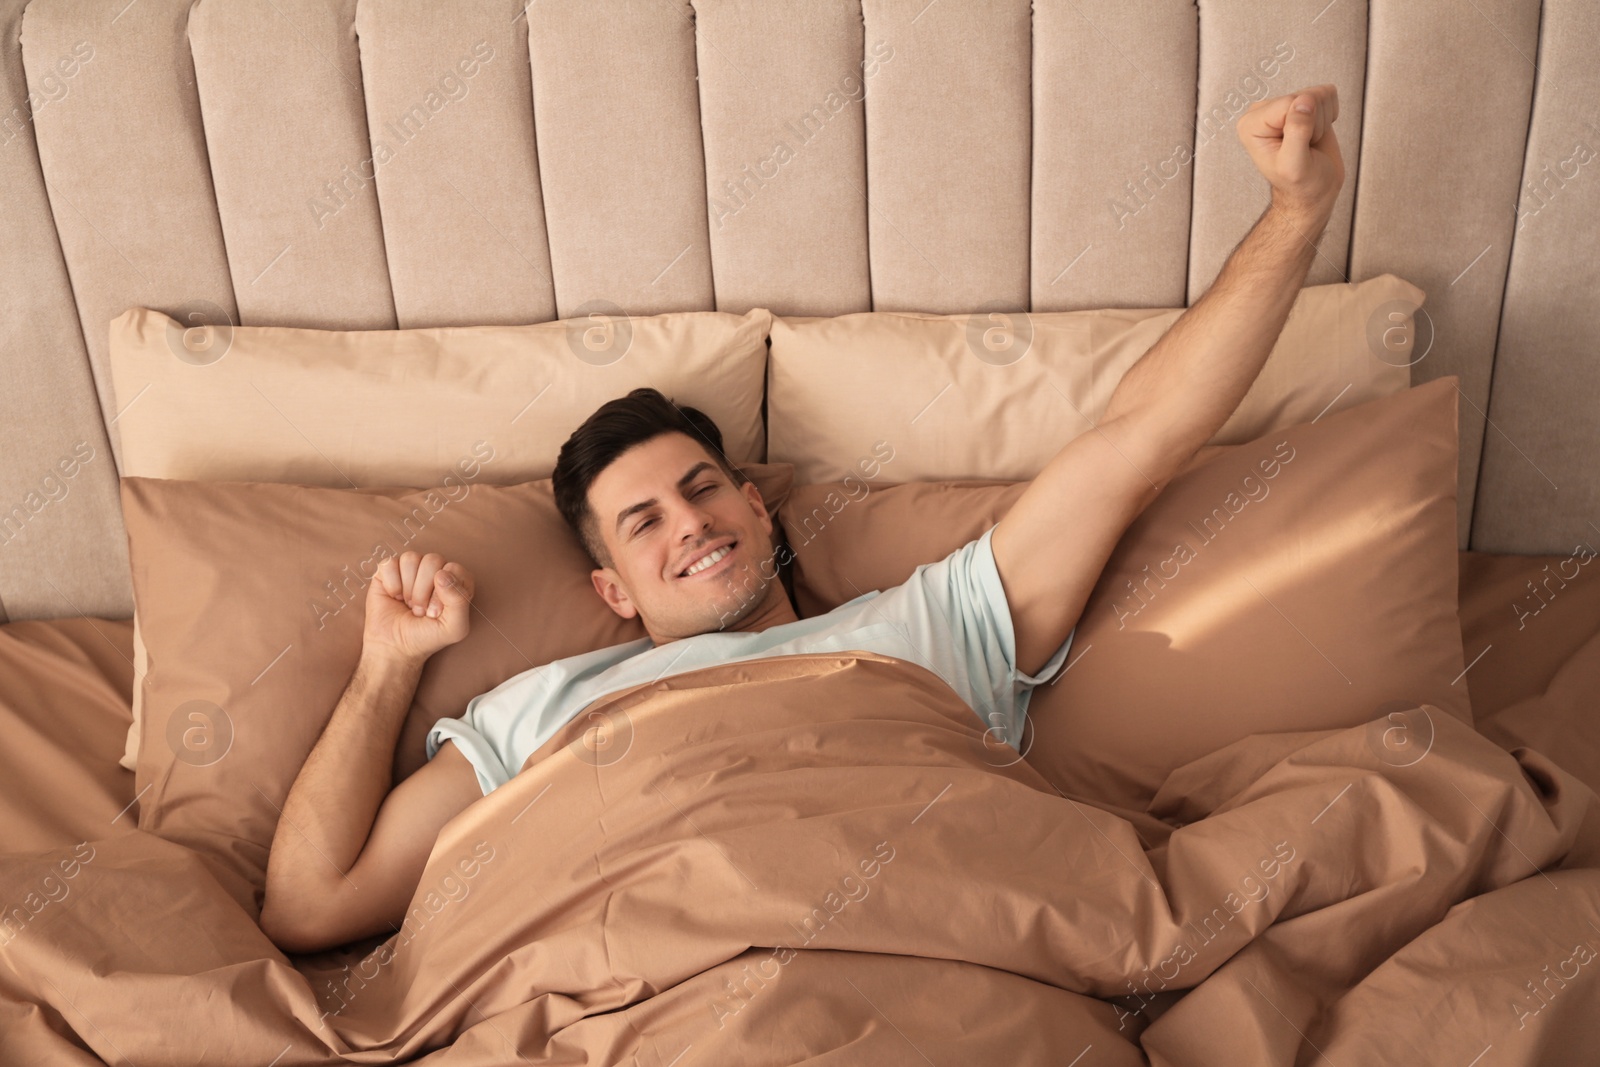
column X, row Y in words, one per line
column 64, row 715
column 814, row 859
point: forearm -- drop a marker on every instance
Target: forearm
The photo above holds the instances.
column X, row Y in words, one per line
column 1194, row 377
column 331, row 807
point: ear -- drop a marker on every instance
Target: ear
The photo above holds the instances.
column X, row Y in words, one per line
column 611, row 591
column 758, row 505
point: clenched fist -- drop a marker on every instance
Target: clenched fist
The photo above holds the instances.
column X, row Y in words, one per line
column 1291, row 141
column 417, row 605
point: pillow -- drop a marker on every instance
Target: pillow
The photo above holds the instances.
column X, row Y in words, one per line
column 364, row 408
column 251, row 600
column 1302, row 581
column 342, row 408
column 996, row 395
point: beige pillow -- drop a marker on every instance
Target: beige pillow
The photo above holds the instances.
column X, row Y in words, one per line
column 996, row 396
column 377, row 408
column 367, row 408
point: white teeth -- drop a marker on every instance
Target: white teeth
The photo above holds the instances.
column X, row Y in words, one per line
column 707, row 561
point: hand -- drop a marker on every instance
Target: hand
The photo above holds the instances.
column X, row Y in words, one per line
column 416, row 606
column 1297, row 151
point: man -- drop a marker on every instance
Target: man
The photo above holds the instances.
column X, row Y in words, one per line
column 679, row 541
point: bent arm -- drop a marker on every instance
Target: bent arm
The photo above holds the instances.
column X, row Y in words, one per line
column 340, row 868
column 1052, row 545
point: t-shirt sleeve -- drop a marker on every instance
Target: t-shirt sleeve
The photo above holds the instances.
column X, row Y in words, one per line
column 955, row 616
column 491, row 770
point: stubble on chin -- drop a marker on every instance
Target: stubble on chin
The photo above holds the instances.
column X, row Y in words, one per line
column 743, row 596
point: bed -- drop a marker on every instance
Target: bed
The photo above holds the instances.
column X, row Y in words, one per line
column 1317, row 785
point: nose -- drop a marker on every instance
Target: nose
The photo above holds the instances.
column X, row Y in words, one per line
column 691, row 521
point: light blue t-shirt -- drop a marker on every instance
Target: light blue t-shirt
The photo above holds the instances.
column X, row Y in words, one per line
column 950, row 617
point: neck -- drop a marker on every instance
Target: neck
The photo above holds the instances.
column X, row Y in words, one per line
column 773, row 609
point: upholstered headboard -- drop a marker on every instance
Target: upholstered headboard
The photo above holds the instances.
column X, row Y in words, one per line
column 403, row 163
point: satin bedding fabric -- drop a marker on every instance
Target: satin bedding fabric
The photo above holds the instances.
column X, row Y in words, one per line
column 809, row 858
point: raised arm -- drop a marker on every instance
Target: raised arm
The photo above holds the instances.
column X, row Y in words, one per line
column 1052, row 545
column 342, row 867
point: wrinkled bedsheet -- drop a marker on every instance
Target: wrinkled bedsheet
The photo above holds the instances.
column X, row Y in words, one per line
column 65, row 709
column 819, row 859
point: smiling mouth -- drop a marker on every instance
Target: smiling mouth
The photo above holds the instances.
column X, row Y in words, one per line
column 708, row 562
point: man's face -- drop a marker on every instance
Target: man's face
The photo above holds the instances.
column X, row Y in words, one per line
column 663, row 508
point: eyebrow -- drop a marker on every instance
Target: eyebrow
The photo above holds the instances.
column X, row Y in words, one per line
column 683, row 483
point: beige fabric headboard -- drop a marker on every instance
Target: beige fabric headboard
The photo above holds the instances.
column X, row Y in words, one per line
column 401, row 163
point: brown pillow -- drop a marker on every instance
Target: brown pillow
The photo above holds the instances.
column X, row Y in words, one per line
column 340, row 408
column 251, row 600
column 1322, row 593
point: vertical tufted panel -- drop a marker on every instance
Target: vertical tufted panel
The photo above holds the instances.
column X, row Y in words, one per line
column 1538, row 491
column 62, row 545
column 949, row 144
column 1111, row 181
column 450, row 107
column 617, row 117
column 781, row 90
column 383, row 163
column 126, row 168
column 1252, row 50
column 299, row 218
column 1448, row 92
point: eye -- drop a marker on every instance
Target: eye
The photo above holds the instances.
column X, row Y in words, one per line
column 698, row 492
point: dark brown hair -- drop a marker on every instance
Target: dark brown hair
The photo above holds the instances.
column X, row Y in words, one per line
column 614, row 428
